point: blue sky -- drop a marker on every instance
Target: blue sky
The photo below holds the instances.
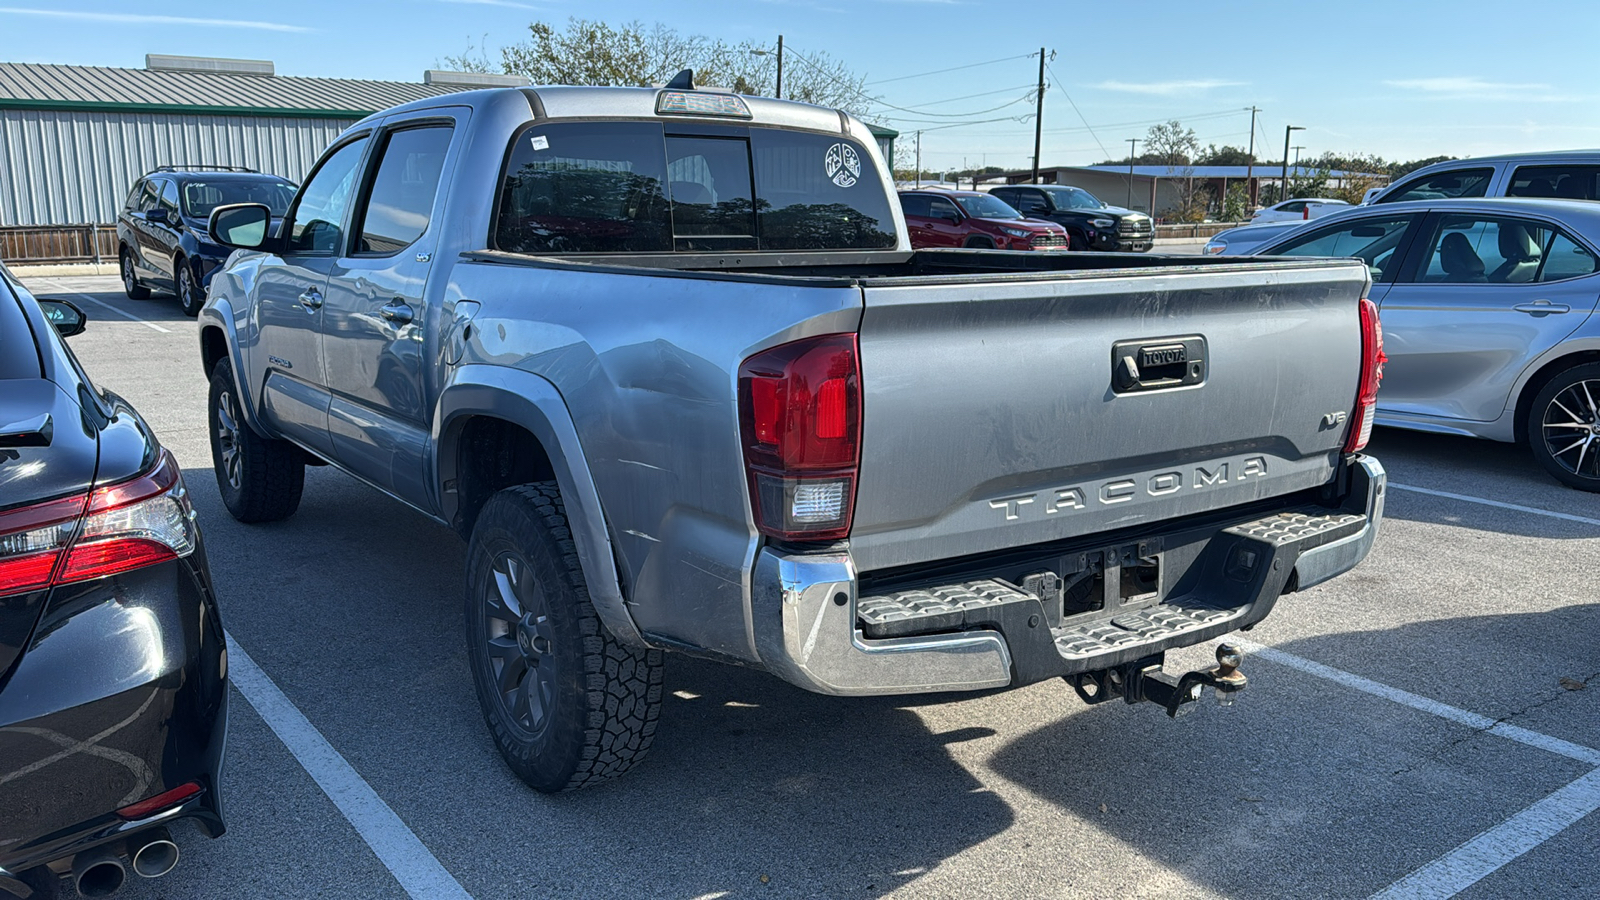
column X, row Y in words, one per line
column 1398, row 79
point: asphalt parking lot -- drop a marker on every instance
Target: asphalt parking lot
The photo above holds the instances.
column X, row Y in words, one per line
column 1423, row 727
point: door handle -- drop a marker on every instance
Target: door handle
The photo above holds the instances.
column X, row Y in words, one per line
column 397, row 312
column 1541, row 308
column 311, row 299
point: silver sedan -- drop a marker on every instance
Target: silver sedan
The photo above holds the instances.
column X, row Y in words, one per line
column 1487, row 309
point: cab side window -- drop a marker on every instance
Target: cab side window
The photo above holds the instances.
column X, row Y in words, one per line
column 1449, row 185
column 1569, row 182
column 319, row 215
column 914, row 205
column 1029, row 203
column 940, row 208
column 400, row 203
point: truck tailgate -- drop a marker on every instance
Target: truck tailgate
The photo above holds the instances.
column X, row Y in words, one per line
column 994, row 417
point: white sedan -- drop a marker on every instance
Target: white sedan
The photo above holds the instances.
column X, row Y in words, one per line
column 1301, row 208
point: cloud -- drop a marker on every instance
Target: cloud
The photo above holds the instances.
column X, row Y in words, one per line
column 1164, row 88
column 143, row 19
column 507, row 4
column 1473, row 88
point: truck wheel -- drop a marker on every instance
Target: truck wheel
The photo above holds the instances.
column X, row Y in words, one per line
column 568, row 705
column 190, row 296
column 130, row 280
column 260, row 479
column 1564, row 427
column 1076, row 241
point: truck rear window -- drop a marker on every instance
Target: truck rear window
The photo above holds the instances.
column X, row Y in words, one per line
column 631, row 187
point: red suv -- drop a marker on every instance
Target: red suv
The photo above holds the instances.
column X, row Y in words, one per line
column 975, row 220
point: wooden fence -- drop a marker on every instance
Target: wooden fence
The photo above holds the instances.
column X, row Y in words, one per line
column 58, row 244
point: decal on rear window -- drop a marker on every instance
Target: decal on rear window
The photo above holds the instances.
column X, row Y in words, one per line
column 842, row 165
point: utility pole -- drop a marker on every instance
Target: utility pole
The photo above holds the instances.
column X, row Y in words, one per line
column 1250, row 165
column 1038, row 118
column 1133, row 145
column 1297, row 149
column 919, row 159
column 1287, row 130
column 779, row 91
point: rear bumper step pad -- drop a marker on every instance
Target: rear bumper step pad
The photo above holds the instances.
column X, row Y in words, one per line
column 1237, row 574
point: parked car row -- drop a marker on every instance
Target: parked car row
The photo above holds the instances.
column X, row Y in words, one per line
column 1023, row 217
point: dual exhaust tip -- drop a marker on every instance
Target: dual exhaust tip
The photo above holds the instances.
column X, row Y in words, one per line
column 102, row 872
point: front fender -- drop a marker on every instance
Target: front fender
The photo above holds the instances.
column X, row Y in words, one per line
column 529, row 401
column 218, row 314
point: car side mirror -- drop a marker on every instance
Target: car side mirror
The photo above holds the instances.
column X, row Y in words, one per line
column 243, row 226
column 157, row 215
column 67, row 318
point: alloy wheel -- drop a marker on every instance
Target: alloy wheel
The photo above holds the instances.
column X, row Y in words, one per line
column 1572, row 428
column 228, row 437
column 519, row 640
column 128, row 281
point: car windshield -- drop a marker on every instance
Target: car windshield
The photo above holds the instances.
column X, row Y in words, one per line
column 1076, row 198
column 201, row 197
column 984, row 206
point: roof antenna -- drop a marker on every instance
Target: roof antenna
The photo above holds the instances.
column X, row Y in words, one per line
column 683, row 81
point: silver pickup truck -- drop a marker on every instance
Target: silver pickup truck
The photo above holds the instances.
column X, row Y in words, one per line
column 666, row 359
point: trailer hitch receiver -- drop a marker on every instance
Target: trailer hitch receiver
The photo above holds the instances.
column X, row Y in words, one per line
column 1144, row 680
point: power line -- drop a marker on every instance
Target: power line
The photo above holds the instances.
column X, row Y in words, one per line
column 935, row 115
column 952, row 69
column 1080, row 113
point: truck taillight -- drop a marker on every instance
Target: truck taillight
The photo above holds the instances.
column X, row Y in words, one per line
column 126, row 526
column 800, row 419
column 1372, row 360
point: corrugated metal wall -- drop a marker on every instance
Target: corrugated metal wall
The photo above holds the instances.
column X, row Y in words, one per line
column 69, row 168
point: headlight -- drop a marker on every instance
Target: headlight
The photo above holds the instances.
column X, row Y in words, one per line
column 1103, row 223
column 1015, row 232
column 1215, row 247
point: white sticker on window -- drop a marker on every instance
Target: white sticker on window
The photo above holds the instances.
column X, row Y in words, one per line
column 540, row 142
column 842, row 165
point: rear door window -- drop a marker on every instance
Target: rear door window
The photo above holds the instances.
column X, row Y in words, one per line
column 1450, row 185
column 596, row 187
column 1565, row 258
column 400, row 201
column 1373, row 241
column 914, row 205
column 942, row 208
column 1570, row 182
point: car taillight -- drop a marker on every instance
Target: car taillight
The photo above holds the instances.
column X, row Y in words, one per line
column 183, row 793
column 1372, row 360
column 800, row 418
column 113, row 529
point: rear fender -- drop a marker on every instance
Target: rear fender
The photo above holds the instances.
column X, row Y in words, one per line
column 529, row 401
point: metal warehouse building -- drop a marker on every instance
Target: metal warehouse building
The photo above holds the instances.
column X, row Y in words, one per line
column 73, row 139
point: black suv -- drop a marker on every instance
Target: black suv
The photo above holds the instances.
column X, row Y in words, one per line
column 161, row 231
column 1090, row 223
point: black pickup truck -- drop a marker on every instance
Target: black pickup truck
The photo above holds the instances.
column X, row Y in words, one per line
column 1091, row 224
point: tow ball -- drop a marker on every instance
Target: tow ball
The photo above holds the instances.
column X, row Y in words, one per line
column 1143, row 680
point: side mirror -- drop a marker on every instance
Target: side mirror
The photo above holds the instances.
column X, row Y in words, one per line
column 67, row 318
column 157, row 215
column 243, row 226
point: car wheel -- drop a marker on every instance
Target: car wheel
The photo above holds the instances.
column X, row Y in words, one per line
column 190, row 296
column 260, row 479
column 568, row 705
column 130, row 280
column 1076, row 241
column 979, row 243
column 1564, row 427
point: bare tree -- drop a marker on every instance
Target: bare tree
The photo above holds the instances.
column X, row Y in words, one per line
column 1171, row 144
column 594, row 53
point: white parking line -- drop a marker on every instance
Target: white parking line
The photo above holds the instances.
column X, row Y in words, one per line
column 59, row 288
column 397, row 847
column 1496, row 503
column 1469, row 863
column 1479, row 857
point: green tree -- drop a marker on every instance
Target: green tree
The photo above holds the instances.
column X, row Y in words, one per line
column 1235, row 207
column 1224, row 156
column 1171, row 144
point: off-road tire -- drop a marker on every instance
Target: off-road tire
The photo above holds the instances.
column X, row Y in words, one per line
column 1568, row 388
column 190, row 295
column 130, row 279
column 263, row 482
column 1076, row 241
column 604, row 698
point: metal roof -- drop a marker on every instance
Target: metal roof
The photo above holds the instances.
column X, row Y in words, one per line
column 1261, row 170
column 39, row 86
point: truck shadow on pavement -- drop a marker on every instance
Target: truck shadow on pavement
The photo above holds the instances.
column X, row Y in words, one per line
column 353, row 607
column 1307, row 788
